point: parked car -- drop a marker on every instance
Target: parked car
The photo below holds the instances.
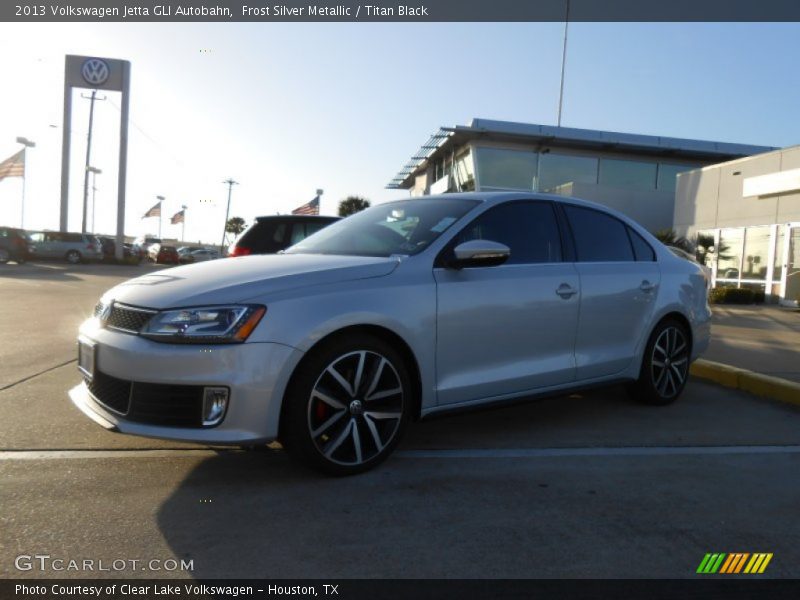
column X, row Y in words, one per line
column 185, row 254
column 402, row 311
column 130, row 253
column 681, row 253
column 204, row 254
column 269, row 235
column 72, row 247
column 164, row 255
column 14, row 245
column 144, row 243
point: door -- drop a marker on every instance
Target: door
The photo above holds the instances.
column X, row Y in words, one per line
column 619, row 281
column 510, row 328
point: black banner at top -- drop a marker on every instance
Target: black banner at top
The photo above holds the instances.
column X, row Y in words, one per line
column 394, row 11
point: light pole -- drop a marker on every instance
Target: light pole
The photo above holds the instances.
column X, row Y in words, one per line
column 160, row 206
column 95, row 172
column 27, row 144
column 230, row 183
column 563, row 64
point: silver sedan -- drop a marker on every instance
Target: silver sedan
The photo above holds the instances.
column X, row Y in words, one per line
column 402, row 311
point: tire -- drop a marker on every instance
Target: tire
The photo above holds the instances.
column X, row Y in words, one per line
column 4, row 256
column 73, row 257
column 330, row 426
column 665, row 365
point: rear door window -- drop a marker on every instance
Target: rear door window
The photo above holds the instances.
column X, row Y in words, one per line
column 598, row 237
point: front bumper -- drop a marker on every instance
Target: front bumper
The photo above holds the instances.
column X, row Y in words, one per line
column 255, row 373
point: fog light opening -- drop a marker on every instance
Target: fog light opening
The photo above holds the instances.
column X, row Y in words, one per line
column 215, row 403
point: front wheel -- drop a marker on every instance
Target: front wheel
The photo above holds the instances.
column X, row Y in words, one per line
column 4, row 256
column 347, row 406
column 665, row 365
column 73, row 257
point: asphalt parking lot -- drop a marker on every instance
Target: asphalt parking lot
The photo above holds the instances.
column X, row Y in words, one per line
column 590, row 485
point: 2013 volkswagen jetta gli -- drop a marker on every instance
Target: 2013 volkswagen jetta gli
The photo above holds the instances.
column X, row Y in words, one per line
column 404, row 310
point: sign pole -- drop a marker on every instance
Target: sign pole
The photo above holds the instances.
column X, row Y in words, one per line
column 123, row 158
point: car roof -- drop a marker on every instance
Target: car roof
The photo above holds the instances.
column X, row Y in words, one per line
column 301, row 217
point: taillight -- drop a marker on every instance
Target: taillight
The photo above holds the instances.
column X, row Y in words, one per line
column 240, row 251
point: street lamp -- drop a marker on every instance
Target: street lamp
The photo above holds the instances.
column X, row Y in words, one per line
column 27, row 144
column 95, row 172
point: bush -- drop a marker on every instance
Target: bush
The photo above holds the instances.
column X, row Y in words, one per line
column 726, row 295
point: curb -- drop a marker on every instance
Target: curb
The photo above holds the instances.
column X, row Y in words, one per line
column 765, row 386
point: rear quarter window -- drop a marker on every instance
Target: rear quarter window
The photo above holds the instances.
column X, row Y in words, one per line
column 598, row 237
column 641, row 249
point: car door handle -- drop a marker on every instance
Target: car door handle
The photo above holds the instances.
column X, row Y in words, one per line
column 647, row 286
column 566, row 291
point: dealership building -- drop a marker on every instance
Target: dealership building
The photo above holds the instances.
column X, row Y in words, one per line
column 745, row 215
column 661, row 182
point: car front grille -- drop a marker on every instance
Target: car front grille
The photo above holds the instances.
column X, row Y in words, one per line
column 127, row 318
column 149, row 403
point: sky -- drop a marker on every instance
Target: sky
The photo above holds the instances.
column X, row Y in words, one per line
column 288, row 108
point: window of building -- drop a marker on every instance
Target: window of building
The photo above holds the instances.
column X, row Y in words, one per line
column 777, row 272
column 506, row 169
column 598, row 237
column 756, row 253
column 729, row 253
column 529, row 229
column 464, row 173
column 628, row 173
column 641, row 249
column 667, row 175
column 559, row 169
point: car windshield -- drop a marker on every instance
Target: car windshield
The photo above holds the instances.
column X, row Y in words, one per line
column 405, row 227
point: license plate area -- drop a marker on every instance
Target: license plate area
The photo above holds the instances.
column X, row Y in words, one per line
column 87, row 357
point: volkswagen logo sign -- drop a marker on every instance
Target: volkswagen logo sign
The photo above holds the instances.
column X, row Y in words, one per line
column 95, row 71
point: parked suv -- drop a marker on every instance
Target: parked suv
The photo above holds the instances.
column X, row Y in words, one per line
column 13, row 245
column 269, row 235
column 72, row 247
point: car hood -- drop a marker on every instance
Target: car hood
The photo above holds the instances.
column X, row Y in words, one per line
column 237, row 279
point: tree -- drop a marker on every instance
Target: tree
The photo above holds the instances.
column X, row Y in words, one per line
column 352, row 204
column 235, row 225
column 669, row 237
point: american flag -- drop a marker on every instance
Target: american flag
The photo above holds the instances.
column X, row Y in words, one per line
column 153, row 212
column 14, row 166
column 309, row 208
column 177, row 218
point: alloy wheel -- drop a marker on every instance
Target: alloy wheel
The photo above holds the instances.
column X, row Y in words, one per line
column 669, row 363
column 355, row 408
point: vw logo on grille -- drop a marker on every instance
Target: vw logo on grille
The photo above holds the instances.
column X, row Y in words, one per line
column 95, row 71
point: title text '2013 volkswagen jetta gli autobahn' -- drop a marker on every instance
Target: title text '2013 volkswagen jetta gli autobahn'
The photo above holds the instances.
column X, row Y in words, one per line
column 401, row 311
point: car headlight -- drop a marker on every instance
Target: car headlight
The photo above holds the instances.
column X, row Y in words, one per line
column 204, row 324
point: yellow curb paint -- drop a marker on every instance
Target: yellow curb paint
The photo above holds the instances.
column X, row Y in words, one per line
column 748, row 381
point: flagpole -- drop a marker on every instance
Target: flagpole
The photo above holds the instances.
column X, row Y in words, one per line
column 183, row 223
column 26, row 143
column 230, row 182
column 160, row 206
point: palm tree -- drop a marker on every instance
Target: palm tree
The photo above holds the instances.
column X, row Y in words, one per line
column 669, row 237
column 352, row 204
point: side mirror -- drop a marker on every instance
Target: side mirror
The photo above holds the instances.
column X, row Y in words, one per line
column 479, row 253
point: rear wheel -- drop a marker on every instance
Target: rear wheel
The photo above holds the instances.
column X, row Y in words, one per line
column 348, row 406
column 73, row 257
column 665, row 366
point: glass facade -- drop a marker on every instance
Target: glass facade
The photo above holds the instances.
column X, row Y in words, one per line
column 556, row 170
column 756, row 253
column 668, row 174
column 500, row 168
column 628, row 173
column 545, row 171
column 729, row 253
column 749, row 250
